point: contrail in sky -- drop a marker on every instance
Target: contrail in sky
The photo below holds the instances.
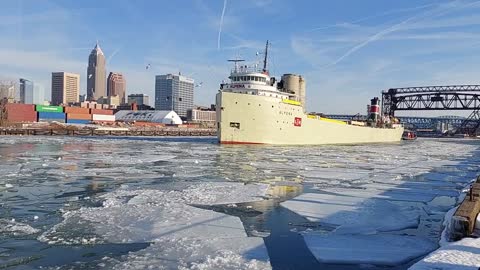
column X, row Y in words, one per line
column 221, row 23
column 371, row 39
column 112, row 55
column 372, row 17
column 389, row 30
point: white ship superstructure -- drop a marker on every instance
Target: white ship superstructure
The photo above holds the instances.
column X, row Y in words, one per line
column 254, row 108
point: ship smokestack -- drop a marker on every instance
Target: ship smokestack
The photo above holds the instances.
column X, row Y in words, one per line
column 374, row 112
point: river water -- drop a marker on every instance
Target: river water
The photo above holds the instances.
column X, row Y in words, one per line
column 189, row 203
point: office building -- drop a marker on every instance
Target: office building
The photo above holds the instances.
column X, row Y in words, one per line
column 96, row 74
column 174, row 92
column 38, row 94
column 26, row 91
column 65, row 88
column 111, row 101
column 116, row 86
column 197, row 115
column 140, row 99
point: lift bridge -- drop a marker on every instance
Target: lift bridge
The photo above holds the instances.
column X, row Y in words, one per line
column 429, row 98
column 412, row 122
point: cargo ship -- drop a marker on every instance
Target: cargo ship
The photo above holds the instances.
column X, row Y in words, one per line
column 254, row 108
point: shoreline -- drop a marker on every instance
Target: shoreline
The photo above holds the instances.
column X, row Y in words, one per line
column 109, row 132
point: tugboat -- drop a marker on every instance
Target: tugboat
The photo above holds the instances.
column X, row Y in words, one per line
column 409, row 135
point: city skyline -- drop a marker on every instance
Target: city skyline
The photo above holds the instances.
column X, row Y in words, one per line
column 346, row 55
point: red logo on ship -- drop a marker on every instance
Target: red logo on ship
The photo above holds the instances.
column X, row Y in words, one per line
column 297, row 122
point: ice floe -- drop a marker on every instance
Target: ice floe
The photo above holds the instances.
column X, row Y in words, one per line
column 377, row 249
column 188, row 236
column 15, row 228
column 353, row 214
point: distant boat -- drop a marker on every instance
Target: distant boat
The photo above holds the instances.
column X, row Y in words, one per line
column 409, row 135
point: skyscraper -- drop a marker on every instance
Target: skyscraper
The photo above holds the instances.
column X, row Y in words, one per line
column 26, row 91
column 174, row 92
column 96, row 74
column 65, row 88
column 116, row 86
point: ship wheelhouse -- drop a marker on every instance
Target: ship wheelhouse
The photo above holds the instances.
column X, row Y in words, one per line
column 252, row 81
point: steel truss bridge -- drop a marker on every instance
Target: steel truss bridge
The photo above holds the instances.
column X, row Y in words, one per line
column 429, row 98
column 412, row 122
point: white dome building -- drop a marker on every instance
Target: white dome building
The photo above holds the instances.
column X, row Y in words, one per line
column 163, row 117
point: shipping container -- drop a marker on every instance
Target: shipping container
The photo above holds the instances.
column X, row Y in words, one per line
column 103, row 118
column 100, row 111
column 20, row 107
column 77, row 110
column 77, row 121
column 79, row 116
column 43, row 108
column 56, row 116
column 17, row 113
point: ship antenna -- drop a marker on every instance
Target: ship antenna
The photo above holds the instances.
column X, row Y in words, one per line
column 236, row 60
column 265, row 59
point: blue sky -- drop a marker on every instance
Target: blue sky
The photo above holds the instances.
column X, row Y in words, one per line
column 348, row 50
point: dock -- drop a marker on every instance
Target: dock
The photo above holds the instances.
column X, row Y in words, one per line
column 463, row 220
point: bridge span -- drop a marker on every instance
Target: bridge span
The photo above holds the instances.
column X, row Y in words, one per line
column 428, row 98
column 413, row 122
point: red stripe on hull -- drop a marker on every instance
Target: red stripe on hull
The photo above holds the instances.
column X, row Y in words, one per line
column 234, row 142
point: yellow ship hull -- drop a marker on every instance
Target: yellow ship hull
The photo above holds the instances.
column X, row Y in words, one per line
column 253, row 119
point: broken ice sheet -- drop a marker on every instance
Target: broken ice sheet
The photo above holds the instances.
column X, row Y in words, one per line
column 184, row 234
column 380, row 249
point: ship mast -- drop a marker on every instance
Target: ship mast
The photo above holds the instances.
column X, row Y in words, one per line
column 265, row 59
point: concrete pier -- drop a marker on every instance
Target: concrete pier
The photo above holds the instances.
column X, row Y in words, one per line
column 463, row 220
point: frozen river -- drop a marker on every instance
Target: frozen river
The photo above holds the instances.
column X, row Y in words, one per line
column 189, row 203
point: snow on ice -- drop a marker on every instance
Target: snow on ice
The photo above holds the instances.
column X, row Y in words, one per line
column 461, row 255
